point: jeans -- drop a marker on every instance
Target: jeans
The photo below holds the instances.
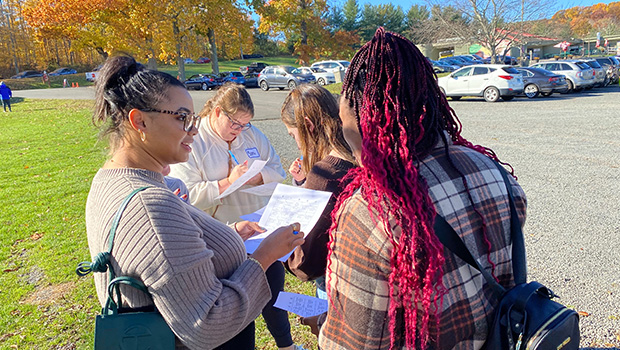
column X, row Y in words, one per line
column 277, row 319
column 242, row 341
column 6, row 103
column 321, row 292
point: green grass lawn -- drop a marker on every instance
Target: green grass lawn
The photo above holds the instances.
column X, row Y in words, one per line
column 50, row 153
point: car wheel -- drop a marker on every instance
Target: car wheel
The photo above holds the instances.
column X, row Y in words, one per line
column 508, row 98
column 491, row 94
column 531, row 91
column 546, row 94
column 264, row 86
column 571, row 86
column 292, row 85
column 455, row 98
column 321, row 81
column 204, row 87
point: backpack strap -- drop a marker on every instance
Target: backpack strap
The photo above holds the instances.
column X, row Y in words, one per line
column 451, row 240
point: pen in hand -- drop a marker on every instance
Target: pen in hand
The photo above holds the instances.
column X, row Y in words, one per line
column 233, row 157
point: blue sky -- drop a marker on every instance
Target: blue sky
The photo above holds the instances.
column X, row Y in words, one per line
column 406, row 4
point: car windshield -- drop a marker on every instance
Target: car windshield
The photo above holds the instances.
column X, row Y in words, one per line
column 288, row 69
column 345, row 64
column 237, row 74
column 593, row 64
column 582, row 65
column 318, row 70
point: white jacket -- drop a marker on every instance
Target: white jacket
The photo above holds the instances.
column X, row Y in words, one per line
column 208, row 163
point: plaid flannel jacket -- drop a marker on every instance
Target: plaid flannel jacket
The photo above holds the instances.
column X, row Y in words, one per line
column 359, row 266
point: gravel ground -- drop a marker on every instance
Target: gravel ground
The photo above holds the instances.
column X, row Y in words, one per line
column 566, row 153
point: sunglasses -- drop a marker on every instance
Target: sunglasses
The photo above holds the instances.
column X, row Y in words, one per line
column 235, row 125
column 190, row 120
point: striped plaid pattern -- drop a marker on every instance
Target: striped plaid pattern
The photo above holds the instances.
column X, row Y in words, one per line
column 359, row 266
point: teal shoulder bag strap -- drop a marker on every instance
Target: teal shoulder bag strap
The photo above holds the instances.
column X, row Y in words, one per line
column 114, row 329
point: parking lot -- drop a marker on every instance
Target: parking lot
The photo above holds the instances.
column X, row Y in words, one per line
column 566, row 153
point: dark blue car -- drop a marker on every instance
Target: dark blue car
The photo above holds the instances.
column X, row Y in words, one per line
column 203, row 82
column 235, row 77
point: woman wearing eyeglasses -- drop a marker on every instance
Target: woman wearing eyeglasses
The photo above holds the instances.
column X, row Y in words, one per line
column 195, row 268
column 225, row 147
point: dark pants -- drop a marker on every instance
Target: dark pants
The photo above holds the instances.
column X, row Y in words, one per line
column 277, row 319
column 241, row 341
column 5, row 104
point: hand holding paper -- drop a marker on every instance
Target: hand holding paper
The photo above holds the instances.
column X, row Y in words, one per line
column 254, row 169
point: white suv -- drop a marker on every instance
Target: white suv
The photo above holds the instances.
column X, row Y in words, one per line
column 578, row 74
column 332, row 66
column 490, row 81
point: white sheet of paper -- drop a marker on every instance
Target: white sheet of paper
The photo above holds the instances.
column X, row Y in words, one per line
column 265, row 190
column 253, row 170
column 255, row 216
column 287, row 205
column 300, row 304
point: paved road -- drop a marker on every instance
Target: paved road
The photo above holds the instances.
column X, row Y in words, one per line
column 566, row 152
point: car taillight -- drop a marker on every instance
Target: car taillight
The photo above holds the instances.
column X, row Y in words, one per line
column 553, row 79
column 507, row 77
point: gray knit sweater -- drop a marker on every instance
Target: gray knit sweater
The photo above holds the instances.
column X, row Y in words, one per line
column 195, row 267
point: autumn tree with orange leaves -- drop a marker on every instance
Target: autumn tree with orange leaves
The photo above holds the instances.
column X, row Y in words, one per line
column 304, row 18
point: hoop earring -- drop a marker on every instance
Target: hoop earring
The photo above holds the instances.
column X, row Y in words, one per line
column 142, row 135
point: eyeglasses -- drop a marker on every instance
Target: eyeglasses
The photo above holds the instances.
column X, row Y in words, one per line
column 190, row 120
column 234, row 124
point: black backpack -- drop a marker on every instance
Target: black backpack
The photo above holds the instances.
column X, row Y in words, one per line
column 526, row 317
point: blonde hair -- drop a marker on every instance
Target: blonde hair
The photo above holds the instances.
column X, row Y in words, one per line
column 317, row 105
column 231, row 98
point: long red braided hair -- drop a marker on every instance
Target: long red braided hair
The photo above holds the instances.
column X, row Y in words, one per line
column 402, row 116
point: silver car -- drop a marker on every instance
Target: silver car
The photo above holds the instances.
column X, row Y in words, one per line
column 578, row 74
column 283, row 77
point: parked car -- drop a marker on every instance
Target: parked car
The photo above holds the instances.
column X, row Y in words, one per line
column 27, row 74
column 600, row 73
column 453, row 62
column 251, row 80
column 468, row 59
column 578, row 74
column 281, row 77
column 502, row 59
column 203, row 60
column 475, row 58
column 443, row 67
column 490, row 81
column 540, row 81
column 62, row 71
column 234, row 77
column 322, row 76
column 189, row 61
column 203, row 82
column 254, row 67
column 254, row 55
column 456, row 60
column 612, row 69
column 332, row 66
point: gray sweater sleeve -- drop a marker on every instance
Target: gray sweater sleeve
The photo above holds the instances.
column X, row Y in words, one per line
column 194, row 267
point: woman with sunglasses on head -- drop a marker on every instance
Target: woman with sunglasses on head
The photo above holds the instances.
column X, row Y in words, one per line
column 195, row 268
column 222, row 152
column 310, row 114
